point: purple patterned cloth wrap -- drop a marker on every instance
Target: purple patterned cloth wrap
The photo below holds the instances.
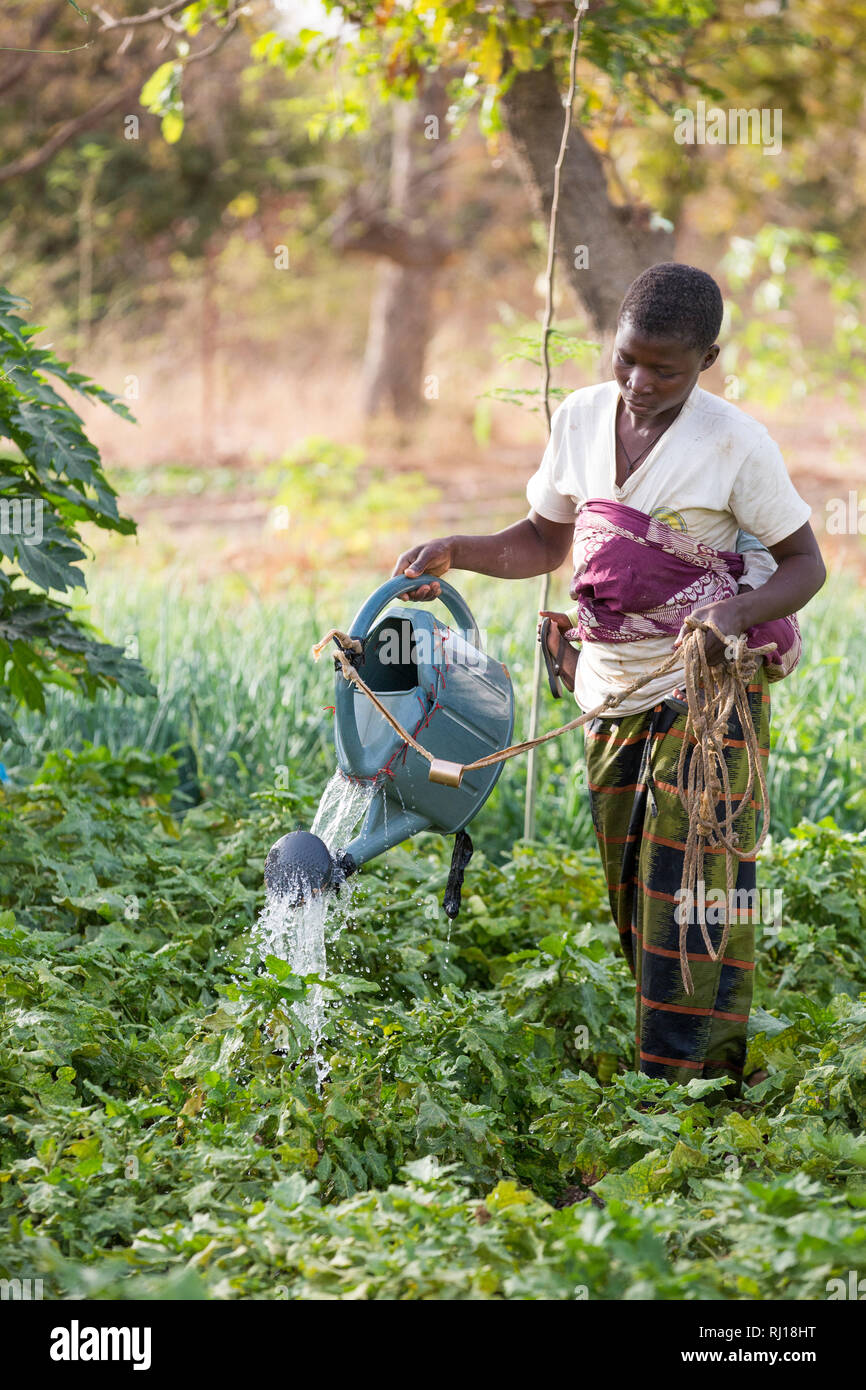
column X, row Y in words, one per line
column 637, row 577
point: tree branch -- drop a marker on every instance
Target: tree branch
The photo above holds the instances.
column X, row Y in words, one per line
column 128, row 92
column 361, row 228
column 231, row 24
column 36, row 158
column 44, row 24
column 154, row 16
column 137, row 20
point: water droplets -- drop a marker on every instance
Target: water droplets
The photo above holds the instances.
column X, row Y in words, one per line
column 298, row 935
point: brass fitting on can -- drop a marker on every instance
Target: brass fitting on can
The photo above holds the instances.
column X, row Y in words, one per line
column 449, row 774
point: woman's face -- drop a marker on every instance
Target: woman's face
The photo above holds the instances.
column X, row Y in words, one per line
column 655, row 374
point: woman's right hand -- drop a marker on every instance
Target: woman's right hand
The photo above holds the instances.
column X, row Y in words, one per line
column 431, row 557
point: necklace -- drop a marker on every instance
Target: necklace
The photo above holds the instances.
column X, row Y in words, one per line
column 633, row 462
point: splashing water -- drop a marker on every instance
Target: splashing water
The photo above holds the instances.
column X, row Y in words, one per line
column 342, row 804
column 298, row 935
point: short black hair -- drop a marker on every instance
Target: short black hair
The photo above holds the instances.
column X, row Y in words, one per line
column 671, row 300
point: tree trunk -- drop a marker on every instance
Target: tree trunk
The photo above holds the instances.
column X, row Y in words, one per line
column 619, row 240
column 208, row 353
column 401, row 313
column 397, row 337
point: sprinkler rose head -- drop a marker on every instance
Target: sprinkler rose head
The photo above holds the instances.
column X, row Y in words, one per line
column 299, row 866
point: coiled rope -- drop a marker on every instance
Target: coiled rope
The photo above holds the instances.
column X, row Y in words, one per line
column 713, row 694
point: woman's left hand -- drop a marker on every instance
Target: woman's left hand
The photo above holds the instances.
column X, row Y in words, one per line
column 560, row 620
column 728, row 617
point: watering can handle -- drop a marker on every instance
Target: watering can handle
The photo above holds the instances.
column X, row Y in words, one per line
column 456, row 606
column 345, row 703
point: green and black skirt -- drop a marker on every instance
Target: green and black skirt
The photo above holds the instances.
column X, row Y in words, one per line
column 641, row 827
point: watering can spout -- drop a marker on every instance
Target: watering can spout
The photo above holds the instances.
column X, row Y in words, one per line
column 299, row 866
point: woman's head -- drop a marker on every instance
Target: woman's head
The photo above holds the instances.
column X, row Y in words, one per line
column 666, row 336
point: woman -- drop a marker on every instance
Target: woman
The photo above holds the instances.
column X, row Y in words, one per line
column 650, row 480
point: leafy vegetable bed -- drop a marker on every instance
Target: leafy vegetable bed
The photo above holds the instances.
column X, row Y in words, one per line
column 161, row 1134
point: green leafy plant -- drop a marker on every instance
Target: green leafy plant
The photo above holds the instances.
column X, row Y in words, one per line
column 50, row 483
column 768, row 353
column 525, row 345
column 156, row 1141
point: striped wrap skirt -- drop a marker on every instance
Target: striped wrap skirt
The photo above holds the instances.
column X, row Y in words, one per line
column 641, row 828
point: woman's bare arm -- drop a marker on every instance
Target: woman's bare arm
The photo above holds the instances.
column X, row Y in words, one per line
column 529, row 547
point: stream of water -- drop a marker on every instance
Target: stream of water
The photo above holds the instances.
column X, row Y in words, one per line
column 299, row 935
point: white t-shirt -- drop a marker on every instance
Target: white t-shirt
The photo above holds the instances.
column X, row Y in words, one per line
column 713, row 471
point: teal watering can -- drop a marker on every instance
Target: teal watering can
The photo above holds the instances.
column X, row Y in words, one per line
column 455, row 700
